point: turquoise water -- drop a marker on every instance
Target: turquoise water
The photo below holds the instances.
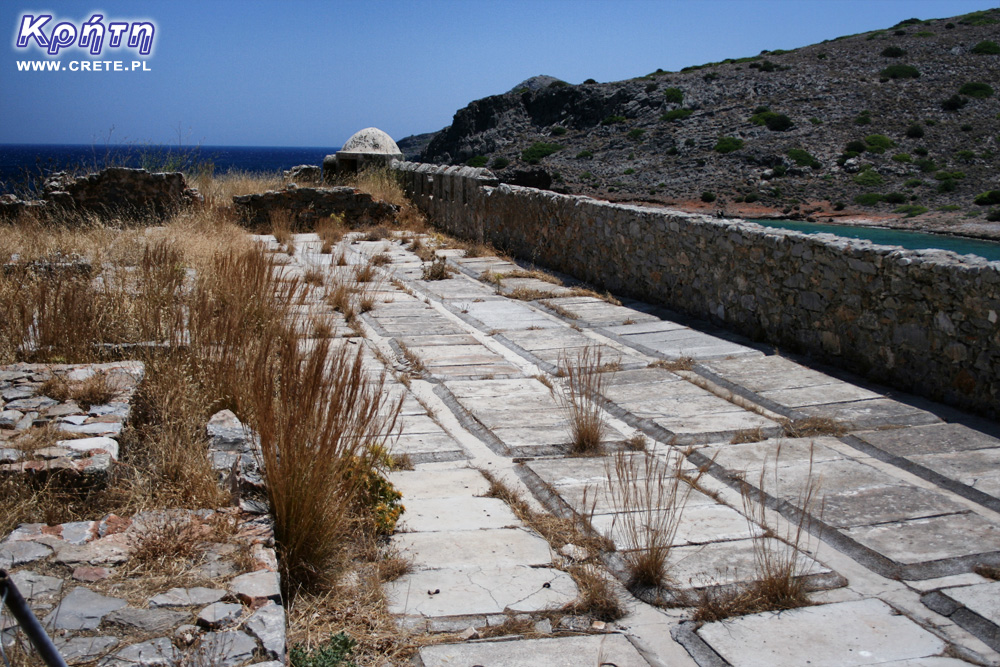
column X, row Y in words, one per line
column 911, row 240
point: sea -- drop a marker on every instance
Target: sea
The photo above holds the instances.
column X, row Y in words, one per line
column 22, row 166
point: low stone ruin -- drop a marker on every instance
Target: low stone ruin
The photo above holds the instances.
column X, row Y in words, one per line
column 307, row 205
column 117, row 192
column 309, row 174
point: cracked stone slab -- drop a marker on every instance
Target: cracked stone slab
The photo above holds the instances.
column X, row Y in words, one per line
column 78, row 650
column 474, row 548
column 698, row 525
column 439, row 483
column 846, row 634
column 555, row 652
column 885, row 504
column 35, row 587
column 469, row 591
column 186, row 597
column 267, row 624
column 507, row 315
column 933, row 439
column 19, row 553
column 437, row 514
column 82, row 609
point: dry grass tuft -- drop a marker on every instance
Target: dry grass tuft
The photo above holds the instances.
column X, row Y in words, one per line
column 637, row 443
column 536, row 274
column 778, row 583
column 682, row 364
column 597, row 596
column 651, row 494
column 314, row 277
column 380, row 259
column 747, row 435
column 167, row 543
column 813, row 427
column 439, row 269
column 584, row 388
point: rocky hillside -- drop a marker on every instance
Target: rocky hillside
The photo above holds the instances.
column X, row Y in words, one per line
column 900, row 125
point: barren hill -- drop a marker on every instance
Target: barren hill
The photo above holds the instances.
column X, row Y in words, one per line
column 896, row 124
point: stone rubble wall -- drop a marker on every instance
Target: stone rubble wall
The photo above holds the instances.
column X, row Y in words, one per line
column 924, row 321
column 131, row 194
column 307, row 205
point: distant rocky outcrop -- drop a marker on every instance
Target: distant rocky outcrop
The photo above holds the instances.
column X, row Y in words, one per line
column 116, row 192
column 895, row 122
column 415, row 144
column 307, row 205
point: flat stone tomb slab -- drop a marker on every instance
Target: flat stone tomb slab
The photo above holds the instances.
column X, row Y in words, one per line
column 679, row 343
column 550, row 338
column 474, row 548
column 696, row 525
column 707, row 426
column 437, row 514
column 769, row 373
column 497, row 388
column 871, row 413
column 979, row 468
column 933, row 539
column 456, row 355
column 674, row 405
column 650, row 326
column 484, row 371
column 841, row 475
column 420, row 444
column 526, row 402
column 421, row 423
column 468, row 591
column 752, row 456
column 569, row 353
column 457, row 288
column 933, row 439
column 535, row 285
column 504, row 315
column 556, row 652
column 598, row 311
column 418, row 326
column 845, row 634
column 668, row 387
column 587, row 471
column 819, row 395
column 884, row 504
column 643, row 376
column 715, row 564
column 526, row 437
column 414, row 484
column 443, row 340
column 595, row 497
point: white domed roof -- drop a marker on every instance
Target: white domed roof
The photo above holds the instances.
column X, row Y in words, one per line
column 371, row 140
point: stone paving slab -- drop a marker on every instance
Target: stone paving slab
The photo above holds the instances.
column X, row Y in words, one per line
column 445, row 514
column 581, row 651
column 846, row 634
column 698, row 525
column 597, row 312
column 428, row 447
column 442, row 484
column 509, row 315
column 926, row 545
column 477, row 591
column 474, row 548
column 976, row 608
column 677, row 342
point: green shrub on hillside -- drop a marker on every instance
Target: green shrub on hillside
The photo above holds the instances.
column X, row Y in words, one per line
column 868, row 178
column 708, row 197
column 900, row 72
column 986, row 48
column 926, row 165
column 954, row 103
column 803, row 158
column 538, row 150
column 868, row 199
column 878, row 143
column 988, row 198
column 728, row 145
column 915, row 131
column 893, row 52
column 966, row 156
column 856, row 147
column 477, row 161
column 500, row 162
column 774, row 121
column 865, row 118
column 902, row 157
column 584, row 154
column 557, row 130
column 673, row 95
column 994, row 215
column 613, row 120
column 976, row 89
column 676, row 115
column 949, row 175
column 911, row 210
column 895, row 198
column 636, row 134
column 913, row 183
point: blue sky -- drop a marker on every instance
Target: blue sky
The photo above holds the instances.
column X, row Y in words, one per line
column 312, row 72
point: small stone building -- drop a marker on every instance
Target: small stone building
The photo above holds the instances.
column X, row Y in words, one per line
column 370, row 147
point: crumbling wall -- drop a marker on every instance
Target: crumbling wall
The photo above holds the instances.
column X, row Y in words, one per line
column 925, row 321
column 307, row 205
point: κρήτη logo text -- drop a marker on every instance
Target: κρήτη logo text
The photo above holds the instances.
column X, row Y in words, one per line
column 94, row 35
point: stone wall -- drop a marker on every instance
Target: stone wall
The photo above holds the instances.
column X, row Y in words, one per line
column 921, row 321
column 307, row 205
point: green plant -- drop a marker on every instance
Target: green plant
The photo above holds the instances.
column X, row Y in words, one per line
column 868, row 199
column 954, row 103
column 988, row 198
column 986, row 48
column 856, row 147
column 585, row 379
column 636, row 134
column 629, row 171
column 900, row 72
column 948, row 185
column 437, row 269
column 868, row 178
column 864, row 118
column 926, row 165
column 335, row 652
column 912, row 210
column 708, row 197
column 979, row 18
column 913, row 183
column 966, row 127
column 728, row 145
column 613, row 120
column 878, row 143
column 976, row 89
column 893, row 52
column 583, row 155
column 993, row 215
column 950, row 207
column 915, row 131
column 894, row 198
column 500, row 162
column 902, row 157
column 477, row 161
column 676, row 115
column 803, row 158
column 923, row 33
column 557, row 130
column 538, row 150
column 751, row 198
column 673, row 95
column 949, row 175
column 776, row 122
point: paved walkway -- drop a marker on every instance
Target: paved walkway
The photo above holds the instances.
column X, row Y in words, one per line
column 903, row 515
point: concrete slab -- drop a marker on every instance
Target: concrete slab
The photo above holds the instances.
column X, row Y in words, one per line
column 600, row 501
column 484, row 371
column 983, row 599
column 772, row 453
column 932, row 539
column 506, row 315
column 556, row 652
column 474, row 548
column 933, row 439
column 714, row 427
column 723, row 563
column 436, row 446
column 698, row 525
column 846, row 634
column 468, row 591
column 437, row 514
column 526, row 437
column 768, row 373
column 427, row 341
column 978, row 468
column 819, row 395
column 415, row 484
column 872, row 413
column 497, row 388
column 650, row 326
